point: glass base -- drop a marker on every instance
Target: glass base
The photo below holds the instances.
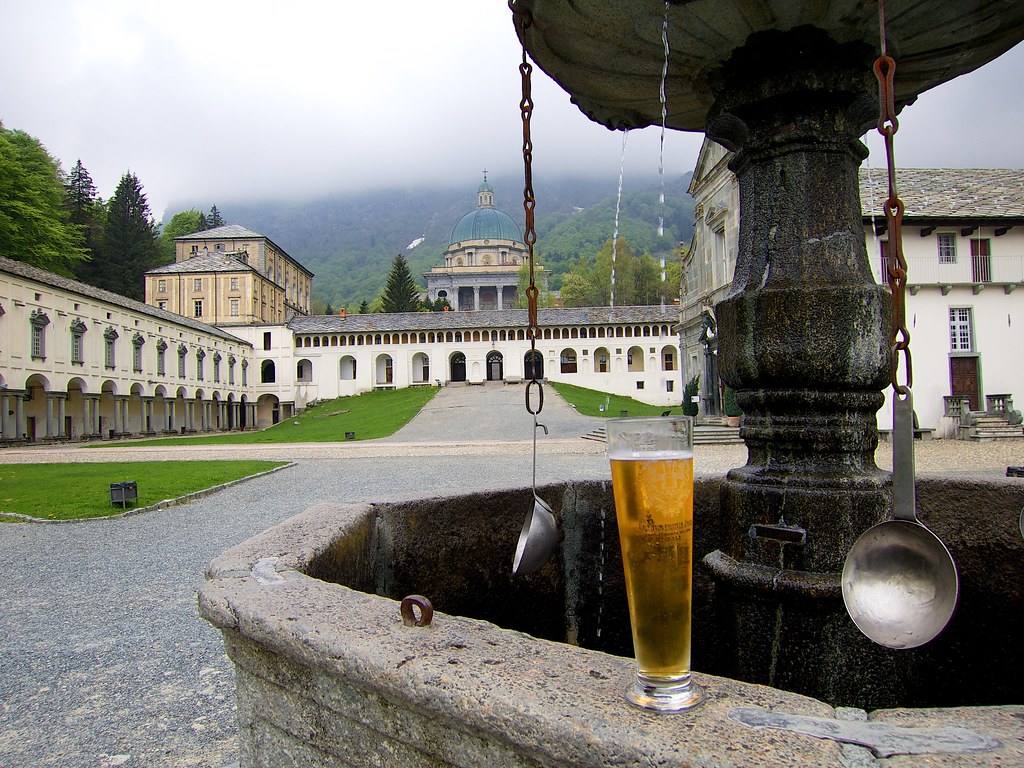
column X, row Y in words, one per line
column 665, row 694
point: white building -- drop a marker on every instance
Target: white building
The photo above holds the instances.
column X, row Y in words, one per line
column 963, row 239
column 78, row 362
column 630, row 351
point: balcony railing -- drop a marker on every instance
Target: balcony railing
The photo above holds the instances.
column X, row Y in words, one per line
column 966, row 270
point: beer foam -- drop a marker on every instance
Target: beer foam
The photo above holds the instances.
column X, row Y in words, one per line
column 626, row 454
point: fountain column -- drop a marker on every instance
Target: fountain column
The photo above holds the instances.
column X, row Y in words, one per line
column 804, row 341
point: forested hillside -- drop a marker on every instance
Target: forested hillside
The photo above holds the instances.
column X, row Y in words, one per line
column 350, row 241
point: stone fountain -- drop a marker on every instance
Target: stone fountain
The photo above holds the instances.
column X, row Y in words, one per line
column 327, row 673
column 804, row 330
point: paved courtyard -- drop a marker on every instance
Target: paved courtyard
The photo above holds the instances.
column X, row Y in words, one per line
column 105, row 661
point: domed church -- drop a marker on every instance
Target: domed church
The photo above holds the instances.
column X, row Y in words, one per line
column 483, row 259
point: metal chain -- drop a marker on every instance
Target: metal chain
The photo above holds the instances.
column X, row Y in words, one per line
column 899, row 343
column 530, row 235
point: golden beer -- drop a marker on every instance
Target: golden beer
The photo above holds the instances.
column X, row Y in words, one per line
column 652, row 480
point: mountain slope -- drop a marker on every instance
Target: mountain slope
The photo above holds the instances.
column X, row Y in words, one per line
column 349, row 241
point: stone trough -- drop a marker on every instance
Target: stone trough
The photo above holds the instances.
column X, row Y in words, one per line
column 531, row 671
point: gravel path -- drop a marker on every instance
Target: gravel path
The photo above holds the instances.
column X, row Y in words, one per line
column 105, row 661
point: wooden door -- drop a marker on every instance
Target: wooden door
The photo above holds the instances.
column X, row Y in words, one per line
column 963, row 378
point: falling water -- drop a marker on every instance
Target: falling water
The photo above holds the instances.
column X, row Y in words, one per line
column 618, row 203
column 661, row 151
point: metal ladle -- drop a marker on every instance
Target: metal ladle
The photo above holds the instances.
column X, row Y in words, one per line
column 539, row 534
column 899, row 581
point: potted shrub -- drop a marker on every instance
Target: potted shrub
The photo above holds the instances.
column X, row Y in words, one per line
column 733, row 412
column 690, row 391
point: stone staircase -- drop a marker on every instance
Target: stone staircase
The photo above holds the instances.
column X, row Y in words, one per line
column 985, row 427
column 703, row 434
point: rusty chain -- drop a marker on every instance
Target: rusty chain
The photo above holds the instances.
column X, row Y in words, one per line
column 896, row 263
column 530, row 234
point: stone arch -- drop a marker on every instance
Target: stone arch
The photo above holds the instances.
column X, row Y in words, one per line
column 635, row 359
column 669, row 358
column 495, row 366
column 420, row 368
column 347, row 368
column 304, row 371
column 602, row 360
column 268, row 372
column 268, row 411
column 567, row 361
column 384, row 369
column 457, row 366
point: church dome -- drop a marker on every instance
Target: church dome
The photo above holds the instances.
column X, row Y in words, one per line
column 486, row 224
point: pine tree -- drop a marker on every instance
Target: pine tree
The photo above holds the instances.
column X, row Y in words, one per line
column 214, row 219
column 87, row 212
column 400, row 291
column 130, row 245
column 364, row 308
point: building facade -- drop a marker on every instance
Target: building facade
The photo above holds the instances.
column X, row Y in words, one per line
column 78, row 362
column 963, row 240
column 483, row 260
column 231, row 275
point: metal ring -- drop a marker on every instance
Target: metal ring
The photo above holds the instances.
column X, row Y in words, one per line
column 409, row 615
column 540, row 403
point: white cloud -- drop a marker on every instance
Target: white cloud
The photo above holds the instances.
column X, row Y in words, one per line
column 218, row 101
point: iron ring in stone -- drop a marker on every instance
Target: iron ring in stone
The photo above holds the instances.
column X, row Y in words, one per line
column 409, row 615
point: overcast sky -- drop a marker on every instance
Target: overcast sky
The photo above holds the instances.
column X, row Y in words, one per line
column 223, row 100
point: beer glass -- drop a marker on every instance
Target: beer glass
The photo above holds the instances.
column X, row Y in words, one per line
column 652, row 480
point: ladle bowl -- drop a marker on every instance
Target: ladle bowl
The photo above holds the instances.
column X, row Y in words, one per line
column 899, row 584
column 899, row 581
column 537, row 539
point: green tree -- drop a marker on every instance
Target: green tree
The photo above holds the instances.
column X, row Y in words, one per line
column 400, row 291
column 214, row 219
column 35, row 225
column 87, row 212
column 181, row 224
column 364, row 308
column 544, row 296
column 130, row 246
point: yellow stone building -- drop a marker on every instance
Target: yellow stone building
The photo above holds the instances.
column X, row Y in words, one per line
column 230, row 275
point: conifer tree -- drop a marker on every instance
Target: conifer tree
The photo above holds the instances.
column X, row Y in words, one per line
column 87, row 213
column 400, row 291
column 364, row 308
column 214, row 219
column 130, row 245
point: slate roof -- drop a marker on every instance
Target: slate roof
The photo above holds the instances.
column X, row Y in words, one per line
column 227, row 232
column 211, row 261
column 488, row 318
column 947, row 194
column 238, row 232
column 82, row 289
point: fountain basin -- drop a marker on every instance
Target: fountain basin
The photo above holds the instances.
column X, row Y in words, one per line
column 328, row 675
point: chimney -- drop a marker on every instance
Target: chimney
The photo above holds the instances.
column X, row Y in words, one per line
column 341, row 313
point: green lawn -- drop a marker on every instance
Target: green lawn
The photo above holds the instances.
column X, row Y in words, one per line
column 371, row 415
column 70, row 491
column 589, row 402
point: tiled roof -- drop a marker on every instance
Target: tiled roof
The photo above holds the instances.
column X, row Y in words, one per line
column 211, row 261
column 227, row 232
column 82, row 289
column 946, row 193
column 488, row 318
column 238, row 232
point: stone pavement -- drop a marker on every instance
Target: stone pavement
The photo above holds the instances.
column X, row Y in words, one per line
column 105, row 662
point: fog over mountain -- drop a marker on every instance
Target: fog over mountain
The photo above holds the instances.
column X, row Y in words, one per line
column 350, row 240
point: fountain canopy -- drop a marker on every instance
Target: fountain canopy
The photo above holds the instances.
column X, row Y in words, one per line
column 609, row 54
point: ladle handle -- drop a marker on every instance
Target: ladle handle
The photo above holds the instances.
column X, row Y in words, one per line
column 904, row 498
